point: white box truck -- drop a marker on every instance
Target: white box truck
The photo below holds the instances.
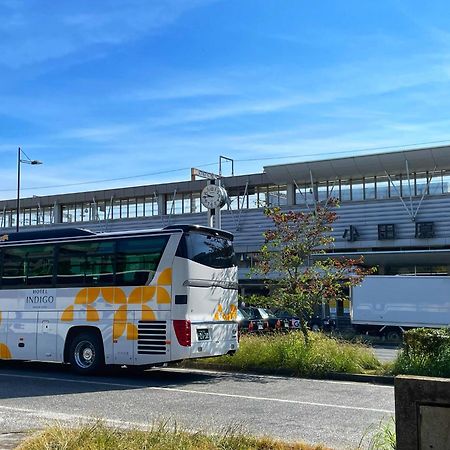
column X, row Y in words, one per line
column 389, row 305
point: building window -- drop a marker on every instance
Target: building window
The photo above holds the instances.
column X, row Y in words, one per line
column 249, row 197
column 174, row 204
column 196, row 204
column 424, row 230
column 357, row 190
column 304, row 195
column 277, row 196
column 386, row 231
column 151, row 206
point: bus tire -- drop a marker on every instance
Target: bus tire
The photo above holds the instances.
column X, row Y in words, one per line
column 86, row 354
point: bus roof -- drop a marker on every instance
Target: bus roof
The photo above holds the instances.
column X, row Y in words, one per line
column 45, row 234
column 73, row 233
column 201, row 229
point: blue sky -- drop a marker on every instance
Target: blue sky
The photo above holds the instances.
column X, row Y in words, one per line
column 136, row 92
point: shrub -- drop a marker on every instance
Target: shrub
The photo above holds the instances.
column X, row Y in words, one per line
column 426, row 341
column 425, row 352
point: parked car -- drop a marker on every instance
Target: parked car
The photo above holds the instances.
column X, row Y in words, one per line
column 321, row 323
column 249, row 320
column 292, row 321
column 315, row 323
column 278, row 320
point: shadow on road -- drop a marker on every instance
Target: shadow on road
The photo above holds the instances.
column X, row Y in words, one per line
column 33, row 379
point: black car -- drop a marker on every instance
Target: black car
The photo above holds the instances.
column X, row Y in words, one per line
column 251, row 321
column 277, row 322
column 292, row 321
column 321, row 323
column 315, row 323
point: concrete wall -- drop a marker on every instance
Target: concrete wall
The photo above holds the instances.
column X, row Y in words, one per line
column 422, row 413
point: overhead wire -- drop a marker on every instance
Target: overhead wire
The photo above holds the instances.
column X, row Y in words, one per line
column 268, row 158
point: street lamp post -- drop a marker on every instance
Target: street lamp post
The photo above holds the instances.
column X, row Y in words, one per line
column 32, row 162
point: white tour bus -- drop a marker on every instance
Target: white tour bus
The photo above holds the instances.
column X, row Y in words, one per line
column 138, row 298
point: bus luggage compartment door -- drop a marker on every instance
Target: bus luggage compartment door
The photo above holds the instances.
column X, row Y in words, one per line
column 21, row 338
column 47, row 335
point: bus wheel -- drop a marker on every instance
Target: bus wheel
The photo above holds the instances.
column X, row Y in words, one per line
column 86, row 353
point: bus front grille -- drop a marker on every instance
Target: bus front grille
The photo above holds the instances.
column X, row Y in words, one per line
column 152, row 337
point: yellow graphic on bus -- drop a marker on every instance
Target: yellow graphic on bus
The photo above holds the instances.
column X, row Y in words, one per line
column 220, row 314
column 4, row 350
column 116, row 296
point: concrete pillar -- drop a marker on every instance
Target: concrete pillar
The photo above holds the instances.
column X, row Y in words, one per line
column 316, row 191
column 290, row 194
column 57, row 213
column 161, row 204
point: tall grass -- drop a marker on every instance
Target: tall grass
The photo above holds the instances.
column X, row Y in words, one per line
column 159, row 437
column 384, row 437
column 289, row 352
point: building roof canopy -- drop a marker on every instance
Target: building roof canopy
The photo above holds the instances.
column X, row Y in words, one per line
column 421, row 160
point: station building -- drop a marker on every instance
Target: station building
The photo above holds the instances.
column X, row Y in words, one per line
column 394, row 208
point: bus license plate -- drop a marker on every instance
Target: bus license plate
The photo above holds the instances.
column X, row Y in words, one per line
column 203, row 334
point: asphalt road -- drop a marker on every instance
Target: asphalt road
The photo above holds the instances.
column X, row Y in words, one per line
column 337, row 414
column 386, row 353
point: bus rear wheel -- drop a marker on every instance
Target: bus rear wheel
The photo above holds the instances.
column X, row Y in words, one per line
column 86, row 353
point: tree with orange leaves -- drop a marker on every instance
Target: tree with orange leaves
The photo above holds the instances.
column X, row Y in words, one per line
column 288, row 259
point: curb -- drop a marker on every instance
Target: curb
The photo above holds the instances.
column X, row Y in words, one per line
column 333, row 376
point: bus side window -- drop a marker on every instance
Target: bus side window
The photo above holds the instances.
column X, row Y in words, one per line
column 137, row 259
column 14, row 264
column 39, row 267
column 69, row 267
column 99, row 268
column 86, row 263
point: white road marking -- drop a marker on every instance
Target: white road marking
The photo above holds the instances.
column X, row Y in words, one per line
column 50, row 415
column 195, row 392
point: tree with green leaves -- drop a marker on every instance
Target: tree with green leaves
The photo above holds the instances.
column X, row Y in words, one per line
column 298, row 280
